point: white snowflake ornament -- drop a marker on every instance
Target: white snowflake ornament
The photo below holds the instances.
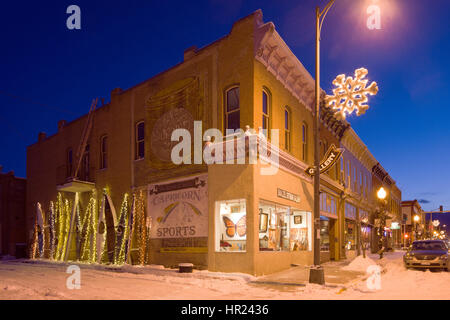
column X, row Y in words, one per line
column 351, row 94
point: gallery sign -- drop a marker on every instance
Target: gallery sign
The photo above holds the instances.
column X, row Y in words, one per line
column 331, row 157
column 179, row 209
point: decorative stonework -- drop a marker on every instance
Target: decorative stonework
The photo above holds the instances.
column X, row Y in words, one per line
column 161, row 144
column 175, row 106
column 354, row 144
column 275, row 55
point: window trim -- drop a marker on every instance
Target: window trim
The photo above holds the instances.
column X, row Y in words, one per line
column 268, row 115
column 225, row 107
column 103, row 154
column 137, row 141
column 304, row 141
column 69, row 172
column 288, row 130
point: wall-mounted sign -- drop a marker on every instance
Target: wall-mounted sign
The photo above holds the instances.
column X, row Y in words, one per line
column 395, row 226
column 331, row 157
column 179, row 209
column 287, row 195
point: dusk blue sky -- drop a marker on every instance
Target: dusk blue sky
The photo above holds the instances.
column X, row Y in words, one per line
column 54, row 73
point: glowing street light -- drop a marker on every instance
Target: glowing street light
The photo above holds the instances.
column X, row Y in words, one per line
column 381, row 194
column 416, row 218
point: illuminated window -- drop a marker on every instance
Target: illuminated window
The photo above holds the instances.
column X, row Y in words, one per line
column 231, row 225
column 103, row 152
column 282, row 228
column 287, row 129
column 140, row 140
column 324, row 234
column 266, row 109
column 232, row 109
column 273, row 227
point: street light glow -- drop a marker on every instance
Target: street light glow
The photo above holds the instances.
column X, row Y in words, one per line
column 416, row 218
column 381, row 194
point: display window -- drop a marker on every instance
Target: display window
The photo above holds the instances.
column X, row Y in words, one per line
column 300, row 231
column 324, row 234
column 350, row 236
column 283, row 228
column 231, row 226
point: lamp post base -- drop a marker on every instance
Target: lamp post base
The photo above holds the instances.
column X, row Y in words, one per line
column 316, row 275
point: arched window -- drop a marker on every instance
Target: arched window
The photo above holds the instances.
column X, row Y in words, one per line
column 104, row 152
column 287, row 128
column 266, row 110
column 304, row 142
column 140, row 140
column 232, row 109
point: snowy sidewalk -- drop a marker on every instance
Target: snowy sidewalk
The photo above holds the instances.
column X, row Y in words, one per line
column 337, row 273
column 25, row 279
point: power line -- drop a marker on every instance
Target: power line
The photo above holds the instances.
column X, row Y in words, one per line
column 37, row 103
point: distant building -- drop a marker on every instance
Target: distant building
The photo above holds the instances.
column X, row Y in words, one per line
column 12, row 214
column 391, row 207
column 411, row 229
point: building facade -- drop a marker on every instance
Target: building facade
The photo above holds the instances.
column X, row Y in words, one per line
column 229, row 214
column 12, row 215
column 412, row 229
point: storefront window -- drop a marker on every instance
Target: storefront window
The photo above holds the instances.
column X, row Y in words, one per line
column 300, row 231
column 324, row 234
column 283, row 229
column 231, row 226
column 350, row 231
column 273, row 227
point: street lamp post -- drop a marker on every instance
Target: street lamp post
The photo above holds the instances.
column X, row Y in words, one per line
column 416, row 222
column 350, row 95
column 316, row 272
column 381, row 194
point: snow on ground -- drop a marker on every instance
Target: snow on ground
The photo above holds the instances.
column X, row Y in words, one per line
column 359, row 264
column 23, row 279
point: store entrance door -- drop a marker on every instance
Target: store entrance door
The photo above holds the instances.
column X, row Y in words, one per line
column 334, row 245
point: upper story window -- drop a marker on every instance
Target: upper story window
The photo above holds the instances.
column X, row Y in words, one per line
column 266, row 111
column 85, row 172
column 69, row 162
column 104, row 152
column 287, row 129
column 349, row 174
column 140, row 140
column 304, row 142
column 232, row 109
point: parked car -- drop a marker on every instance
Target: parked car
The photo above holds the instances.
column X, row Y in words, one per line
column 429, row 254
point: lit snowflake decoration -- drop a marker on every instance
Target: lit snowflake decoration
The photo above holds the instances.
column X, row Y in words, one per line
column 351, row 94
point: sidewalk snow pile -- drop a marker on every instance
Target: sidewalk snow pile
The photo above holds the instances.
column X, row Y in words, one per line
column 359, row 264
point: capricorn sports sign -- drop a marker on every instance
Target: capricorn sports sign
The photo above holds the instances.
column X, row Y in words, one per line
column 179, row 209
